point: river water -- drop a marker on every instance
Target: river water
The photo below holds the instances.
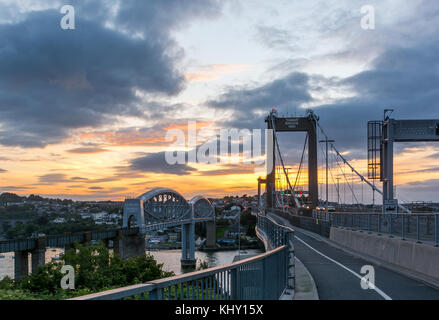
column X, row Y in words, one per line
column 169, row 258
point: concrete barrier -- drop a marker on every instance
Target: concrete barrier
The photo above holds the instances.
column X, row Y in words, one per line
column 418, row 257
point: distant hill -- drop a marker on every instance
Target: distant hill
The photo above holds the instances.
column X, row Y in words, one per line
column 11, row 197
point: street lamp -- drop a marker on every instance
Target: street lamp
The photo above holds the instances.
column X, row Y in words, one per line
column 327, row 141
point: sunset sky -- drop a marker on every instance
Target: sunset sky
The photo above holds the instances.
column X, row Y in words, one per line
column 84, row 112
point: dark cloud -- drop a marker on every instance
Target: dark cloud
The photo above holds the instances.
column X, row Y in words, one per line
column 53, row 81
column 278, row 93
column 13, row 188
column 154, row 18
column 89, row 150
column 96, row 188
column 53, row 178
column 2, row 170
column 79, row 179
column 156, row 163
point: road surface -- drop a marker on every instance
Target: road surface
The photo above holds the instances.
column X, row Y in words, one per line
column 337, row 273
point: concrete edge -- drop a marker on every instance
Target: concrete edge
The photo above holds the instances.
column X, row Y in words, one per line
column 429, row 281
column 303, row 275
column 403, row 271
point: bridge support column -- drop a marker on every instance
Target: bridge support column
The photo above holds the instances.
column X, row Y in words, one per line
column 132, row 246
column 87, row 237
column 188, row 246
column 38, row 255
column 21, row 264
column 210, row 234
column 117, row 242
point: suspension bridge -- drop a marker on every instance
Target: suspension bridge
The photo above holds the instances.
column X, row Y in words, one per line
column 332, row 239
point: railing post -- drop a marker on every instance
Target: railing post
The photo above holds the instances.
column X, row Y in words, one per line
column 379, row 223
column 368, row 222
column 436, row 228
column 403, row 227
column 391, row 224
column 291, row 262
column 234, row 284
column 155, row 294
column 418, row 229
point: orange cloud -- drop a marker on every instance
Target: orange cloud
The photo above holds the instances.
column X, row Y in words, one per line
column 154, row 136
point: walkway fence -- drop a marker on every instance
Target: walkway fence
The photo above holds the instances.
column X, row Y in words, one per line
column 419, row 227
column 264, row 277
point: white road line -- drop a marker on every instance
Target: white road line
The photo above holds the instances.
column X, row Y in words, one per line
column 381, row 293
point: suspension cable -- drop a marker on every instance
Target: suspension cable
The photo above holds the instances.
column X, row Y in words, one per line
column 282, row 162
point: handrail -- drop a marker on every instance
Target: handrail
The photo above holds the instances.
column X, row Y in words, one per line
column 421, row 227
column 175, row 280
column 265, row 276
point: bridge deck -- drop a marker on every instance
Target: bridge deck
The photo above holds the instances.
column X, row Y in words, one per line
column 334, row 272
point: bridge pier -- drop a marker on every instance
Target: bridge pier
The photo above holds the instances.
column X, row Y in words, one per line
column 21, row 264
column 38, row 255
column 131, row 246
column 211, row 234
column 116, row 242
column 188, row 246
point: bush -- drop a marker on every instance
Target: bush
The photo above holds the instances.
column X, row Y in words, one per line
column 96, row 269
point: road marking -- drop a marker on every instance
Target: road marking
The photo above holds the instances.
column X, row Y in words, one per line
column 380, row 292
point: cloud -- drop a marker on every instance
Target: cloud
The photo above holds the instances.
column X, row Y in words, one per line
column 53, row 178
column 154, row 19
column 14, row 188
column 156, row 163
column 78, row 179
column 3, row 170
column 276, row 38
column 279, row 92
column 96, row 188
column 88, row 150
column 53, row 81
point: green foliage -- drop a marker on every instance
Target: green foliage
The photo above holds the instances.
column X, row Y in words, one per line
column 96, row 269
column 220, row 232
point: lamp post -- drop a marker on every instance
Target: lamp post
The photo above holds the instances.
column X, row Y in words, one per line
column 338, row 191
column 327, row 141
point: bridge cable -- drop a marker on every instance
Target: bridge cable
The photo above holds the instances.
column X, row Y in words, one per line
column 363, row 178
column 282, row 162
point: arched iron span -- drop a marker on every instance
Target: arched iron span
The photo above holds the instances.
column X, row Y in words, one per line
column 202, row 207
column 163, row 205
column 166, row 207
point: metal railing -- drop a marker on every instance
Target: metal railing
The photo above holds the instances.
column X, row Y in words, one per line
column 419, row 227
column 276, row 234
column 264, row 277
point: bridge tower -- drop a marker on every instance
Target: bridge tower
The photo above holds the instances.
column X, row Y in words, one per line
column 302, row 124
column 381, row 137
